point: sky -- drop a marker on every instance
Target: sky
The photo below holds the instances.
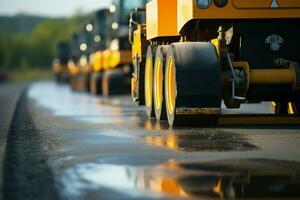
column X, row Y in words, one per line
column 52, row 8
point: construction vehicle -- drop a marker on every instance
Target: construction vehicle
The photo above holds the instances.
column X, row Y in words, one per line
column 190, row 56
column 73, row 62
column 80, row 63
column 60, row 63
column 86, row 40
column 84, row 44
column 111, row 63
column 101, row 32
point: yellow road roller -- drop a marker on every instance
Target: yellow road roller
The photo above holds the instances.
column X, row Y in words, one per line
column 73, row 62
column 60, row 63
column 111, row 65
column 189, row 56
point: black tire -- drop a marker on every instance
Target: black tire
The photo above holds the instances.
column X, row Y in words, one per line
column 193, row 84
column 74, row 83
column 148, row 86
column 78, row 82
column 65, row 78
column 57, row 78
column 96, row 83
column 86, row 82
column 115, row 82
column 81, row 82
column 159, row 84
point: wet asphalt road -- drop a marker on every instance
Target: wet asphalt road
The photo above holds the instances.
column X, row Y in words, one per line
column 9, row 96
column 64, row 145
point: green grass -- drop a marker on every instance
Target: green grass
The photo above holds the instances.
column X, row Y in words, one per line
column 31, row 75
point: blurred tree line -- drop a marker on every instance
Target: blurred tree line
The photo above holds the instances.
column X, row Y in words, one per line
column 21, row 48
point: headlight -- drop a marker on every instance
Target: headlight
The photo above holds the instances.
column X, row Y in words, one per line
column 115, row 25
column 220, row 3
column 89, row 27
column 83, row 61
column 83, row 46
column 97, row 38
column 203, row 3
column 112, row 8
column 114, row 45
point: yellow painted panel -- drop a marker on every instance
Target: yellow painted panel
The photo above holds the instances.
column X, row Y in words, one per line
column 252, row 3
column 184, row 13
column 265, row 3
column 114, row 59
column 117, row 58
column 125, row 57
column 97, row 61
column 60, row 68
column 106, row 59
column 137, row 43
column 73, row 68
column 167, row 17
column 161, row 18
column 188, row 10
column 151, row 19
column 288, row 3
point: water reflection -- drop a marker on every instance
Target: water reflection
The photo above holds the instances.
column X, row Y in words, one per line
column 200, row 140
column 83, row 107
column 153, row 124
column 227, row 179
column 243, row 179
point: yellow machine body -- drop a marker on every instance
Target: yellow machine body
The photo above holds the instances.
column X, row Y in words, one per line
column 161, row 18
column 167, row 18
column 137, row 43
column 84, row 64
column 97, row 62
column 187, row 10
column 73, row 68
column 239, row 75
column 106, row 59
column 121, row 57
column 113, row 59
column 60, row 68
column 236, row 9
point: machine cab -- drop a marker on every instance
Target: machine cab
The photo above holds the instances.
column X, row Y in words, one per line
column 120, row 13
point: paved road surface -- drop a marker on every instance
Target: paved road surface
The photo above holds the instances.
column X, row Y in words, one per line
column 65, row 145
column 9, row 96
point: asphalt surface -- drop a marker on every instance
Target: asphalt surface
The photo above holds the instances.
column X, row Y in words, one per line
column 65, row 145
column 9, row 96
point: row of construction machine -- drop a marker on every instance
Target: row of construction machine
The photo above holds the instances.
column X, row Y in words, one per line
column 91, row 38
column 101, row 53
column 83, row 44
column 101, row 28
column 73, row 62
column 111, row 66
column 60, row 63
column 189, row 56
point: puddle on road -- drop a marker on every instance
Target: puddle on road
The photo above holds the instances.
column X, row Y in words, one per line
column 84, row 107
column 190, row 140
column 200, row 140
column 226, row 179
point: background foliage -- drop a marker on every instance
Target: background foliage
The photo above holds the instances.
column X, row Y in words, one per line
column 30, row 42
